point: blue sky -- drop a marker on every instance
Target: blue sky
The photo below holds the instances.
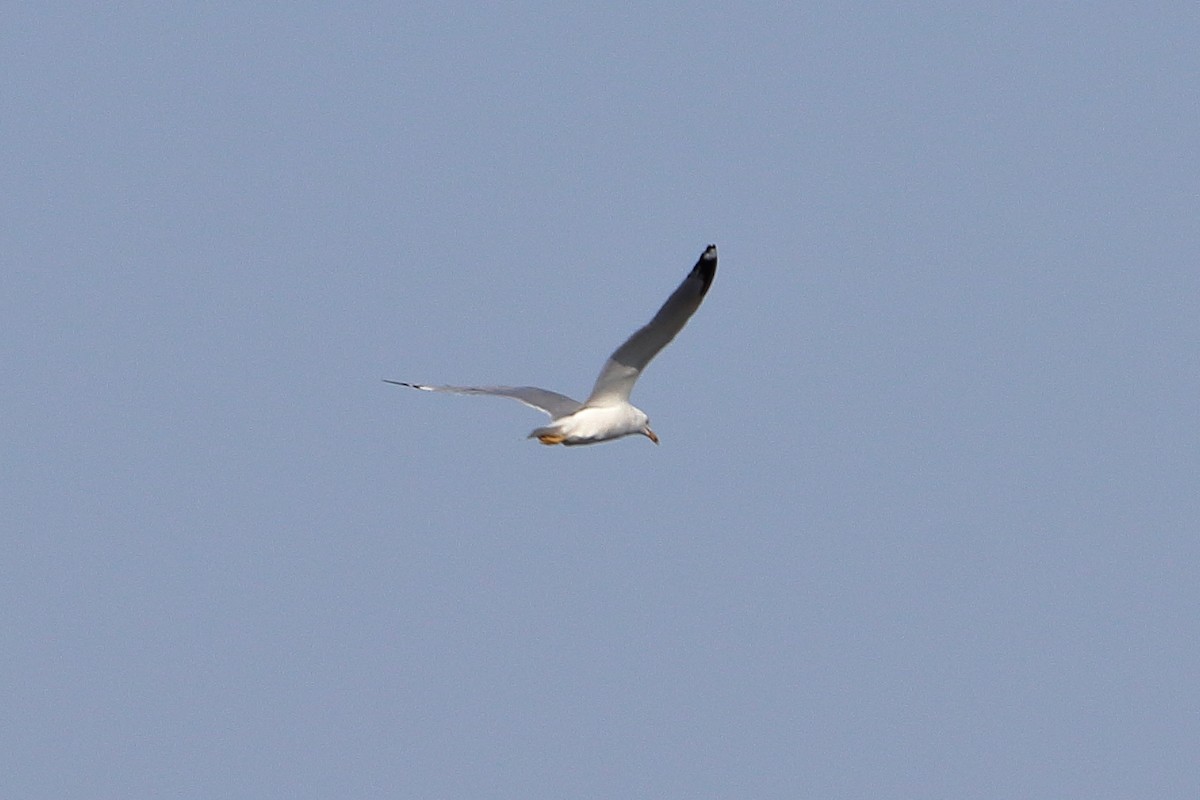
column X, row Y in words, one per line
column 924, row 518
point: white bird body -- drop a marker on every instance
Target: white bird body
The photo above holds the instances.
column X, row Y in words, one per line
column 598, row 423
column 607, row 413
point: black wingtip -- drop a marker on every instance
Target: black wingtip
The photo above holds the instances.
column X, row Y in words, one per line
column 706, row 268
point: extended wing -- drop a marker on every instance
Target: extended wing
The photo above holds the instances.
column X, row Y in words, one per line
column 624, row 366
column 555, row 404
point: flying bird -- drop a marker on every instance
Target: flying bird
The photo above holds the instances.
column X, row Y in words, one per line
column 607, row 413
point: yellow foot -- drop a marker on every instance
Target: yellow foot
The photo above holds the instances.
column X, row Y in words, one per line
column 552, row 438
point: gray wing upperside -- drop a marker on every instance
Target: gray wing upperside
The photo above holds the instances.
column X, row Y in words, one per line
column 552, row 403
column 625, row 365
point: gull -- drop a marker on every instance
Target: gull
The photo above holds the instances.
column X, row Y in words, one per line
column 607, row 413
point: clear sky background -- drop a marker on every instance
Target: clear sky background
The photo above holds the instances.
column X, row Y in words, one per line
column 924, row 520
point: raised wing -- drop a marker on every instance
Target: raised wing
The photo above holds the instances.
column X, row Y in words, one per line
column 555, row 404
column 624, row 366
